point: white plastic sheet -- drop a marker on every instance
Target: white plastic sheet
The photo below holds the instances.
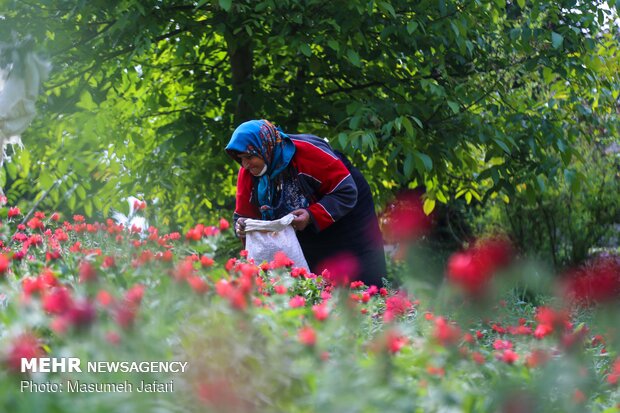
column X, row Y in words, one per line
column 265, row 238
column 18, row 93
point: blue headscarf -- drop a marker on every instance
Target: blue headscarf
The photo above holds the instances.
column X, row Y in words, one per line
column 261, row 138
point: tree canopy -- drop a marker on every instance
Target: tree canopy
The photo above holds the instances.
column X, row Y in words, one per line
column 469, row 99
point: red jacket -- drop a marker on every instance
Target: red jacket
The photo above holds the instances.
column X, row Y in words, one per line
column 333, row 192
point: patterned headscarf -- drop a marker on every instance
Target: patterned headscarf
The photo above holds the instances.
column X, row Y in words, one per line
column 261, row 138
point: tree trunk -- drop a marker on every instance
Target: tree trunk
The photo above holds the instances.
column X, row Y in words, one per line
column 241, row 63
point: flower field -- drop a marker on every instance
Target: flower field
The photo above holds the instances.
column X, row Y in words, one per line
column 273, row 338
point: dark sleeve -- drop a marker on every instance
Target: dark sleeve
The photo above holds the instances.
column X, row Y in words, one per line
column 337, row 192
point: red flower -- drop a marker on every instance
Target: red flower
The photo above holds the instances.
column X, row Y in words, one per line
column 31, row 285
column 498, row 329
column 138, row 205
column 58, row 301
column 297, row 301
column 87, row 272
column 113, row 338
column 472, row 269
column 206, row 261
column 134, row 294
column 223, row 288
column 405, row 219
column 614, row 374
column 279, row 289
column 502, row 344
column 230, row 264
column 35, row 223
column 4, row 264
column 224, row 224
column 195, row 234
column 578, row 396
column 104, row 298
column 235, row 296
column 436, row 371
column 395, row 306
column 59, row 325
column 198, row 284
column 446, row 333
column 357, row 284
column 184, row 269
column 550, row 320
column 220, row 394
column 14, row 211
column 477, row 357
column 543, row 330
column 26, row 346
column 597, row 281
column 108, row 262
column 508, row 356
column 321, row 312
column 307, row 336
column 125, row 315
column 372, row 290
column 340, row 269
column 537, row 358
column 280, row 260
column 81, row 314
column 395, row 341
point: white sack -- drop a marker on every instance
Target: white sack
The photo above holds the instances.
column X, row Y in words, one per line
column 264, row 238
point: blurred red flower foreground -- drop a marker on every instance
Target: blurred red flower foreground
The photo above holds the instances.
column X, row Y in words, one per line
column 71, row 285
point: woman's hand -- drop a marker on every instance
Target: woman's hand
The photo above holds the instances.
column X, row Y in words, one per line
column 240, row 227
column 301, row 220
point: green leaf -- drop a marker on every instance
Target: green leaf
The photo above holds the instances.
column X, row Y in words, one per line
column 468, row 197
column 556, row 40
column 502, row 145
column 354, row 57
column 541, row 183
column 426, row 160
column 418, row 121
column 88, row 207
column 521, row 3
column 45, row 180
column 11, row 170
column 81, row 192
column 429, row 206
column 412, row 26
column 454, row 106
column 408, row 126
column 305, row 49
column 384, row 5
column 97, row 203
column 24, row 162
column 334, row 45
column 71, row 201
column 225, row 4
column 408, row 165
column 441, row 197
column 86, row 101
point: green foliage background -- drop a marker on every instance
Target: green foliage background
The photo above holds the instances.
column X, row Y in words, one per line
column 472, row 99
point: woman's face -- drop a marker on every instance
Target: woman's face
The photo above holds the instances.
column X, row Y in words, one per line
column 254, row 164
